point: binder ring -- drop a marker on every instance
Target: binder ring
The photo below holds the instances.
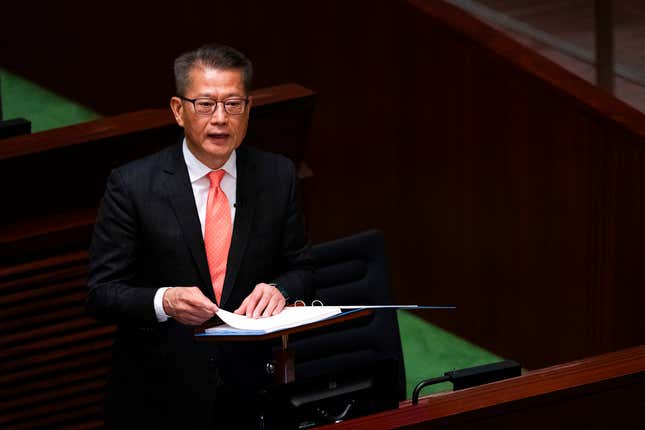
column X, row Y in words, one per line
column 302, row 303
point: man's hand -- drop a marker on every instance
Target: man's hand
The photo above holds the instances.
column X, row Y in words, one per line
column 265, row 300
column 188, row 305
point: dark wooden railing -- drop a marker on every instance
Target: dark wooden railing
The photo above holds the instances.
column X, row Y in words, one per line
column 593, row 393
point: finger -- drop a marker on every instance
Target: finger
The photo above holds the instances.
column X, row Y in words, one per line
column 192, row 316
column 188, row 305
column 242, row 309
column 253, row 299
column 197, row 304
column 262, row 304
column 188, row 319
column 193, row 321
column 280, row 306
column 201, row 310
column 209, row 307
column 196, row 298
column 202, row 314
column 198, row 316
column 273, row 303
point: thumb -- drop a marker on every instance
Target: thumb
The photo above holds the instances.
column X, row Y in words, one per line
column 205, row 302
column 210, row 306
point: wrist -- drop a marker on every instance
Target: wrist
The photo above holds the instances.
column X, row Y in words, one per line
column 167, row 302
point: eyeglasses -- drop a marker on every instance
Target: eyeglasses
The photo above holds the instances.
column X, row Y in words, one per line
column 206, row 106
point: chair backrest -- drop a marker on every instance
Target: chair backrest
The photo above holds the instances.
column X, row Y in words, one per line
column 349, row 271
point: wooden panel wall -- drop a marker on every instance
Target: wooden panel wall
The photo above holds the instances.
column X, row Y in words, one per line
column 525, row 204
column 322, row 45
column 54, row 358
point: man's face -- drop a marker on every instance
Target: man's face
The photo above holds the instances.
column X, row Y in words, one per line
column 212, row 138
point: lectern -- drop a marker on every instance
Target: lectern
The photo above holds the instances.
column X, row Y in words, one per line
column 283, row 367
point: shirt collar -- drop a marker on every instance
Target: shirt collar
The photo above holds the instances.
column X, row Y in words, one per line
column 197, row 169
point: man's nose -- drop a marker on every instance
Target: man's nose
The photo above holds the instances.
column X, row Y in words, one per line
column 219, row 116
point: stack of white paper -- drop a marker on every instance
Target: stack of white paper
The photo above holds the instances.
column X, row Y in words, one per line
column 289, row 317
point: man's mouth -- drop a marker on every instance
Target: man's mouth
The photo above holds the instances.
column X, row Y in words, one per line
column 218, row 135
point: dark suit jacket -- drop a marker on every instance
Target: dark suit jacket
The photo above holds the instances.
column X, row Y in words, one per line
column 147, row 236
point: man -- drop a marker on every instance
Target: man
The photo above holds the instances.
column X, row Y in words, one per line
column 201, row 225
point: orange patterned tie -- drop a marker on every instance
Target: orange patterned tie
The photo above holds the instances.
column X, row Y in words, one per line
column 217, row 232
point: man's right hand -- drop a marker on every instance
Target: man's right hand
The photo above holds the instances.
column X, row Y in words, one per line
column 188, row 305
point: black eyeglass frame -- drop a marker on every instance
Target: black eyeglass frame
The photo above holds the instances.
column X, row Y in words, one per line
column 244, row 99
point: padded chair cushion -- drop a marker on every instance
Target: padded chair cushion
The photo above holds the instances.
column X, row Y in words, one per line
column 351, row 271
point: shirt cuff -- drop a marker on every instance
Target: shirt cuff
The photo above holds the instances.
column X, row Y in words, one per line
column 158, row 302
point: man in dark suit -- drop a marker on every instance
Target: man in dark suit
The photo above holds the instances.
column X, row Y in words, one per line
column 200, row 225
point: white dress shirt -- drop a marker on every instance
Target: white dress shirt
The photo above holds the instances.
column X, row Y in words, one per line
column 198, row 175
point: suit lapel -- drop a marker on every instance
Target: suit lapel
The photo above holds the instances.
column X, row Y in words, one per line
column 180, row 194
column 245, row 207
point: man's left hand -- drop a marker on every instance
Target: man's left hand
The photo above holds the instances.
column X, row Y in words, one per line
column 265, row 300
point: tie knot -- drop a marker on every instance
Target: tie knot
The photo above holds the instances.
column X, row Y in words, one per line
column 216, row 177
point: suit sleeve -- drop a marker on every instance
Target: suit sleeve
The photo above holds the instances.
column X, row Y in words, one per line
column 114, row 295
column 296, row 278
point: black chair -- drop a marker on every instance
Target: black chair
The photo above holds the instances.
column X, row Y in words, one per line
column 348, row 369
column 352, row 270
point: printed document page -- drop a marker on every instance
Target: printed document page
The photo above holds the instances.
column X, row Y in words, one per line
column 289, row 317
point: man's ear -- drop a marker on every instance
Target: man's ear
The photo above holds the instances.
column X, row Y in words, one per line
column 176, row 107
